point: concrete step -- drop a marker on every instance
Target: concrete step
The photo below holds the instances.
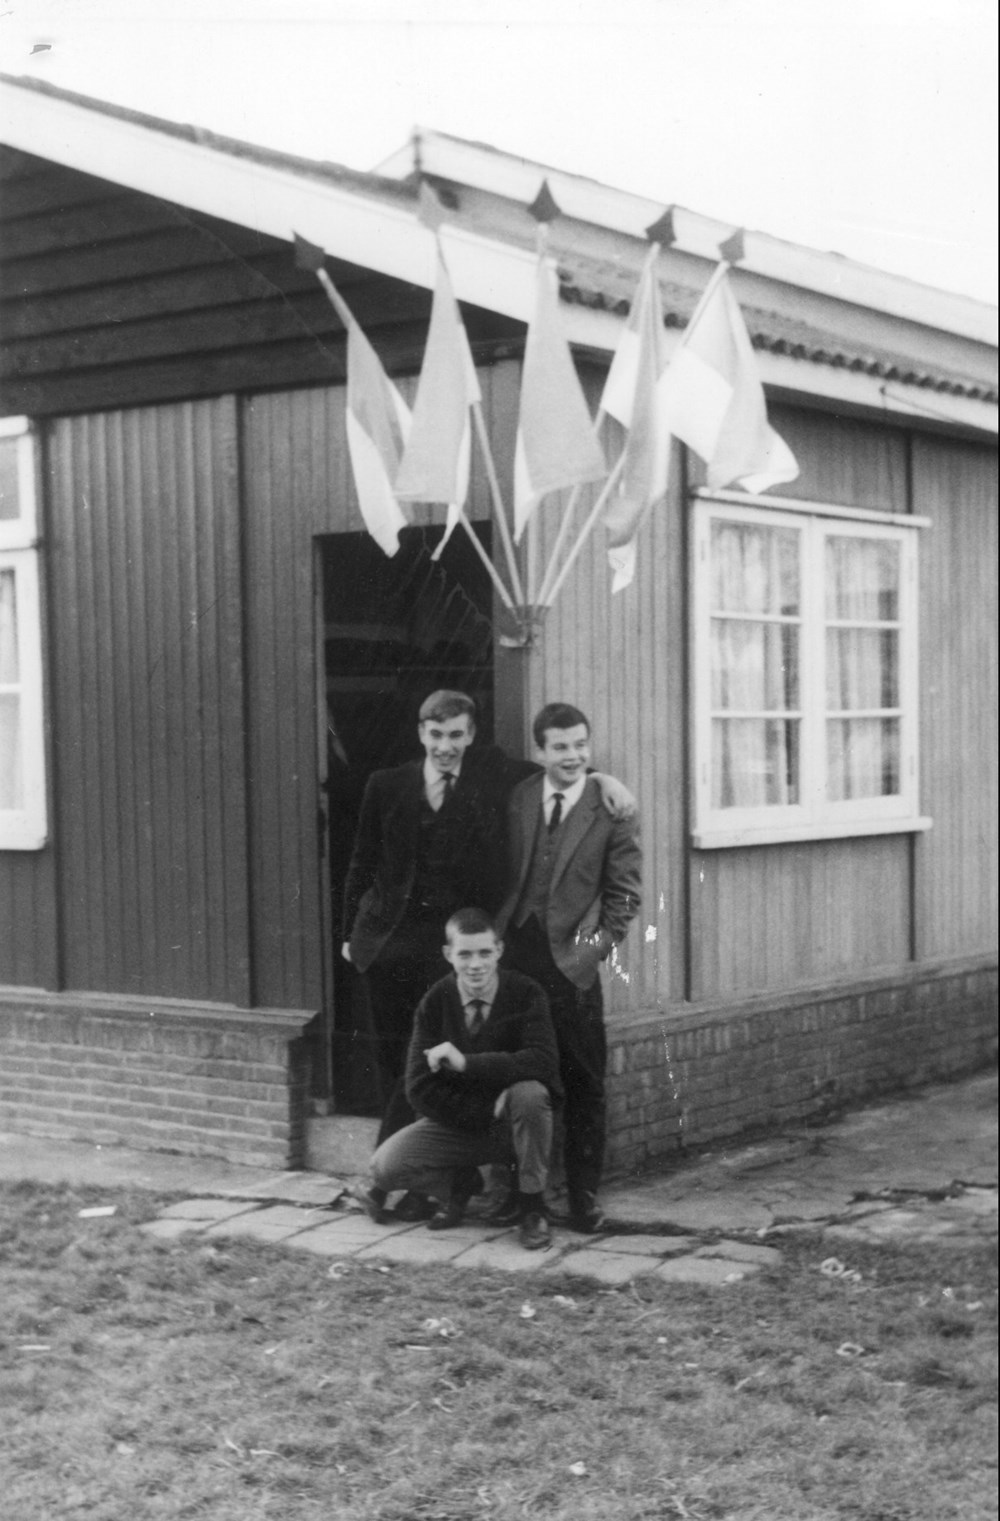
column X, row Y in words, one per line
column 340, row 1144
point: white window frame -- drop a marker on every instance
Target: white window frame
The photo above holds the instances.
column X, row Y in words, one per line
column 26, row 827
column 815, row 816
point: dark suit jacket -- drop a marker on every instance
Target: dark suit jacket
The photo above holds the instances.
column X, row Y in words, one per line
column 516, row 1044
column 380, row 879
column 596, row 886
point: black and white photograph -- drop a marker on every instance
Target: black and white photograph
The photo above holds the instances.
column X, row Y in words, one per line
column 498, row 760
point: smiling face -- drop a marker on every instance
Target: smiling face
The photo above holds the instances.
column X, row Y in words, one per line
column 446, row 740
column 565, row 755
column 475, row 959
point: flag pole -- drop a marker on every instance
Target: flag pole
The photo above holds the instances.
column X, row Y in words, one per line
column 337, row 301
column 587, row 529
column 502, row 592
column 564, row 526
column 498, row 507
column 541, row 246
column 431, row 216
column 557, row 548
column 731, row 252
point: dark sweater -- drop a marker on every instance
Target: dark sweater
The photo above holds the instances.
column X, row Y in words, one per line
column 516, row 1044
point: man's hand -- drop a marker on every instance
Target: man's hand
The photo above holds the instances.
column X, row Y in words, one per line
column 615, row 796
column 500, row 1105
column 445, row 1055
column 345, row 950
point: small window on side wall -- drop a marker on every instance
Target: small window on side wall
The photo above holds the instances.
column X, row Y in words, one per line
column 804, row 675
column 23, row 820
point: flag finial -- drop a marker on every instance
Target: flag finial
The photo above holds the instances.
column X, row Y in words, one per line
column 308, row 255
column 545, row 207
column 430, row 211
column 733, row 249
column 662, row 230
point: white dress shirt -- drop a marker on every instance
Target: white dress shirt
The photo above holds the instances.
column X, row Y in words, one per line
column 570, row 796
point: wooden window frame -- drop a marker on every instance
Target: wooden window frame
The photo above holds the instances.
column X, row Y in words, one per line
column 815, row 816
column 26, row 827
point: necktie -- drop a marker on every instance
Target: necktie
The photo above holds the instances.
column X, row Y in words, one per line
column 477, row 1017
column 448, row 788
column 555, row 817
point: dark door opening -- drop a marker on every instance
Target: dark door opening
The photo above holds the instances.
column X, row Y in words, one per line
column 392, row 631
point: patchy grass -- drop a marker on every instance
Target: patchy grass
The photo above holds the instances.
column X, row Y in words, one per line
column 236, row 1382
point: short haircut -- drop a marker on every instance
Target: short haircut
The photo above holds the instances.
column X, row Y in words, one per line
column 557, row 715
column 470, row 921
column 442, row 705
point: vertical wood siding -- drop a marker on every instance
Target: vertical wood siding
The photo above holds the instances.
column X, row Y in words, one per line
column 294, row 472
column 620, row 659
column 956, row 889
column 147, row 701
column 28, row 935
column 183, row 681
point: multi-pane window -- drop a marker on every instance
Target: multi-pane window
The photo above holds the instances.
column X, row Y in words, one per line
column 23, row 823
column 804, row 674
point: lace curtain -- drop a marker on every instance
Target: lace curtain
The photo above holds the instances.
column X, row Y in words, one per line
column 862, row 666
column 756, row 640
column 757, row 634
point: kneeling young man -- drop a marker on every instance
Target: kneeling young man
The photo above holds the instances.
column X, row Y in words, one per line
column 482, row 1073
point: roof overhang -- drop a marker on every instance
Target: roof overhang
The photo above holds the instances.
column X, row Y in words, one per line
column 371, row 220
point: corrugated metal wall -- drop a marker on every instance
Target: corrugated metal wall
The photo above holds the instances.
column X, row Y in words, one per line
column 147, row 701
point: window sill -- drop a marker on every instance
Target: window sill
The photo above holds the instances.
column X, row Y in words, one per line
column 735, row 839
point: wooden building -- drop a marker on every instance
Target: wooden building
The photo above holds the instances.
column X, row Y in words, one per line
column 202, row 655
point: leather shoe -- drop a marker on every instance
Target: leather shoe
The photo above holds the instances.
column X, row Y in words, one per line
column 373, row 1202
column 534, row 1233
column 586, row 1216
column 467, row 1184
column 447, row 1216
column 413, row 1207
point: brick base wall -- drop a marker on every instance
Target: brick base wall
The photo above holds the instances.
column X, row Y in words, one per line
column 701, row 1073
column 167, row 1076
column 230, row 1083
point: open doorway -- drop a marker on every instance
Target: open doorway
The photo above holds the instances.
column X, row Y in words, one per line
column 390, row 631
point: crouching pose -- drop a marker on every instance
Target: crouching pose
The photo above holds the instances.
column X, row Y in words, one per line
column 483, row 1074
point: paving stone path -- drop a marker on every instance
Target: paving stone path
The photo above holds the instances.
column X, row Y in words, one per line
column 688, row 1239
column 312, row 1226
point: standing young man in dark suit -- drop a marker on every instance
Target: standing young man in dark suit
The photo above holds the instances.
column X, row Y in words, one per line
column 482, row 1073
column 576, row 882
column 431, row 838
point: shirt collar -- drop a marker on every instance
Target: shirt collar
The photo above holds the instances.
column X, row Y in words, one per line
column 434, row 779
column 486, row 997
column 570, row 795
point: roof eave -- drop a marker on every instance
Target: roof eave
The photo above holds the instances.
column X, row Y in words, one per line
column 358, row 219
column 587, row 200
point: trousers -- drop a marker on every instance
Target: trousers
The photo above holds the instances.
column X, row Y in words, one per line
column 425, row 1155
column 396, row 982
column 578, row 1018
